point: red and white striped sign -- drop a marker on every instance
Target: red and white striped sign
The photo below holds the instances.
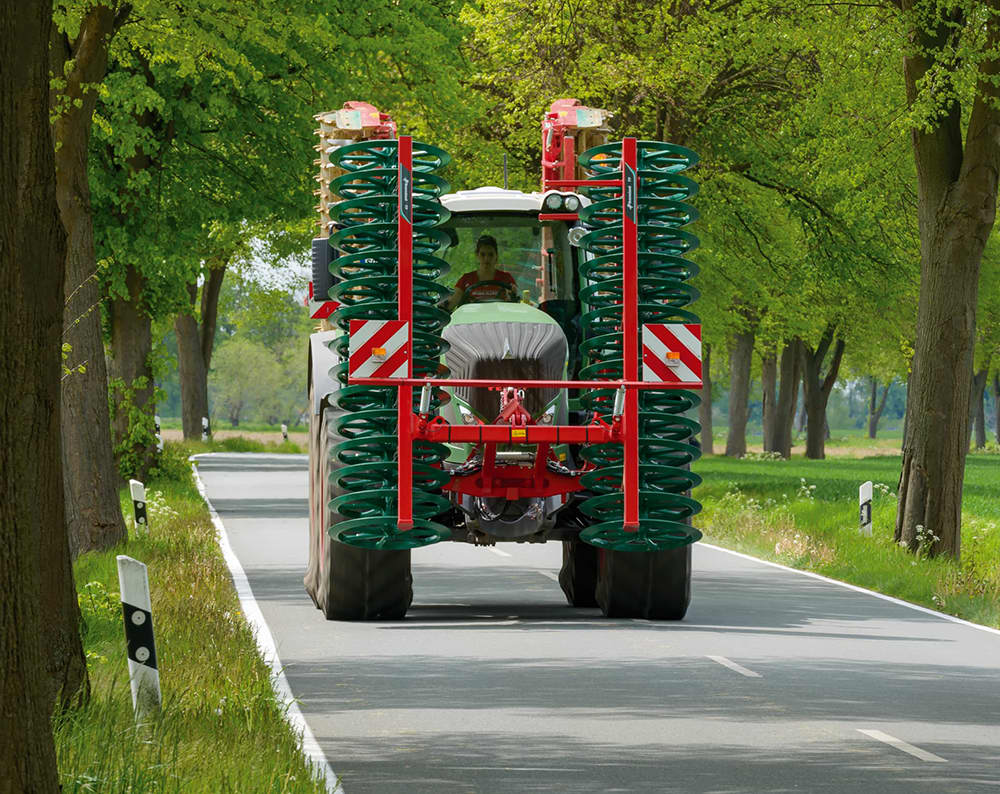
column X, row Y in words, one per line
column 671, row 353
column 321, row 310
column 379, row 349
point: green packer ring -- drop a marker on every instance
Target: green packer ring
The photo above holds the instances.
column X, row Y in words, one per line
column 653, row 535
column 380, row 532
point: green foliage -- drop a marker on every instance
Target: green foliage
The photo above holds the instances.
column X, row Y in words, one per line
column 249, row 380
column 172, row 465
column 134, row 447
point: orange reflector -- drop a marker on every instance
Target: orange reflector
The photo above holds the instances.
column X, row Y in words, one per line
column 518, row 433
column 673, row 354
column 378, row 351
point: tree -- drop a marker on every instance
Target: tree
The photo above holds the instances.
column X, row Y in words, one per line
column 32, row 513
column 954, row 47
column 740, row 359
column 816, row 388
column 79, row 56
column 876, row 406
column 705, row 406
column 245, row 377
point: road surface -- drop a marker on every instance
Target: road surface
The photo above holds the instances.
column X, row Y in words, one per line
column 774, row 682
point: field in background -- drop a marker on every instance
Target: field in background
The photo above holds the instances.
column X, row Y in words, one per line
column 804, row 514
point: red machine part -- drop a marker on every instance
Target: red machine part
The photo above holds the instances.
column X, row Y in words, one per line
column 559, row 128
column 514, row 425
column 365, row 116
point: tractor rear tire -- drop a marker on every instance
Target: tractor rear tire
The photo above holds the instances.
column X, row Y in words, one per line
column 578, row 575
column 654, row 585
column 346, row 582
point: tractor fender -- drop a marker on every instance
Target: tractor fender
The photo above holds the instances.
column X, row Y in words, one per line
column 322, row 359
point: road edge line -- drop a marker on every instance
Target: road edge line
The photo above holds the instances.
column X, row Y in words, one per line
column 266, row 646
column 857, row 589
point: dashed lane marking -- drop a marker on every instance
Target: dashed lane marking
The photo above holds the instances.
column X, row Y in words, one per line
column 735, row 667
column 906, row 747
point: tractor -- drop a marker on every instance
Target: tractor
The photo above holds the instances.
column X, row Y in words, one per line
column 496, row 366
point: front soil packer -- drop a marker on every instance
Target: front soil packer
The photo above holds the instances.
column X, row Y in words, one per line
column 383, row 479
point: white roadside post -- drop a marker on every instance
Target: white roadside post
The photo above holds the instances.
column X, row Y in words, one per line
column 159, row 435
column 865, row 510
column 284, row 432
column 138, row 491
column 133, row 581
column 205, row 430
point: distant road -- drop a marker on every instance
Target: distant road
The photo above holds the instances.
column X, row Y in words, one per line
column 775, row 682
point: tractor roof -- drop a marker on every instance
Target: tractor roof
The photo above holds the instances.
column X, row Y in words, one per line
column 495, row 199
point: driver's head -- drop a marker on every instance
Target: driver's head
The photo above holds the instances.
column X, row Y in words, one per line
column 486, row 251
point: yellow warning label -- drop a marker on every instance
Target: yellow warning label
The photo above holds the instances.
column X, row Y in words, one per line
column 518, row 433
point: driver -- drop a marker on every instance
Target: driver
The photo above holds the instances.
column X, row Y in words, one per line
column 470, row 287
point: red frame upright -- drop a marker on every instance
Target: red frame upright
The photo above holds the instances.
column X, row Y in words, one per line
column 404, row 397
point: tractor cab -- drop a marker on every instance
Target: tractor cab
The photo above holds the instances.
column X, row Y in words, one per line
column 528, row 332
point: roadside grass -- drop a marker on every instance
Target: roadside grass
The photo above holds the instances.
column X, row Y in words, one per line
column 236, row 444
column 804, row 514
column 851, row 442
column 221, row 728
column 174, row 423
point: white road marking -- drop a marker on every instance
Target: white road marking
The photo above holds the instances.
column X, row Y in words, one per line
column 498, row 552
column 735, row 667
column 268, row 650
column 553, row 576
column 856, row 589
column 906, row 747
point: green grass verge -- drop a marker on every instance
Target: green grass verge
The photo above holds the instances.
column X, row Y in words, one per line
column 175, row 423
column 804, row 514
column 238, row 444
column 221, row 728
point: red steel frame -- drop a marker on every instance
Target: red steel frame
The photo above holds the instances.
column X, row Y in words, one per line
column 523, row 481
column 404, row 397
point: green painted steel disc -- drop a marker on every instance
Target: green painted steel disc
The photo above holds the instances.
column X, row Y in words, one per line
column 653, row 535
column 381, row 533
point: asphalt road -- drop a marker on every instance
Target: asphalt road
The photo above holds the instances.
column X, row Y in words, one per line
column 774, row 682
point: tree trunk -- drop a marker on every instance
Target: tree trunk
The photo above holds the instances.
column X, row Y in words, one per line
column 996, row 404
column 956, row 211
column 705, row 408
column 740, row 359
column 131, row 380
column 32, row 258
column 194, row 348
column 977, row 411
column 817, row 388
column 93, row 513
column 788, row 397
column 876, row 406
column 769, row 386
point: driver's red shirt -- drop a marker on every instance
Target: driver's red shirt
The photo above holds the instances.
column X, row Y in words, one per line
column 488, row 291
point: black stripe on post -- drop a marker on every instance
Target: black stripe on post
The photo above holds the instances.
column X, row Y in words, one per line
column 139, row 635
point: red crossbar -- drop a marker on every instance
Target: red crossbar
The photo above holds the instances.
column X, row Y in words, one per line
column 443, row 432
column 554, row 183
column 524, row 384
